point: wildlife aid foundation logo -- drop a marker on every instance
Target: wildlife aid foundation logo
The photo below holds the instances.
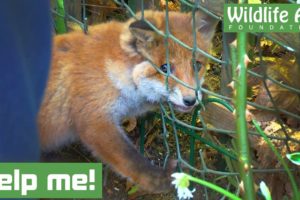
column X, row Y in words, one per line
column 50, row 180
column 262, row 18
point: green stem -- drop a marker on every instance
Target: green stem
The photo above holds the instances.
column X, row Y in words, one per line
column 60, row 22
column 234, row 59
column 213, row 187
column 241, row 122
column 278, row 155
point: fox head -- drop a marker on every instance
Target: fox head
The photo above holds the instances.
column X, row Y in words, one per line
column 140, row 39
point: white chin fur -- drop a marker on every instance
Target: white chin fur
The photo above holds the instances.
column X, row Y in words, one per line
column 152, row 90
column 176, row 99
column 183, row 109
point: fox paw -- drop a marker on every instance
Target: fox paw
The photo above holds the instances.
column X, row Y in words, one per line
column 161, row 182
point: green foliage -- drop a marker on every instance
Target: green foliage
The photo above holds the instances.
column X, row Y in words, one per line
column 294, row 158
column 59, row 20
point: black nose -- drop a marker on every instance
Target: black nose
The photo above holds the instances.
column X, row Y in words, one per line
column 189, row 100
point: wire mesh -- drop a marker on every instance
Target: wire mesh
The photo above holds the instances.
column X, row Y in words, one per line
column 197, row 129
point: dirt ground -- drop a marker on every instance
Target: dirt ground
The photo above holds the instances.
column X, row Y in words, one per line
column 114, row 186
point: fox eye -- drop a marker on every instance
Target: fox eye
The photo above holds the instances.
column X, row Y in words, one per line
column 197, row 66
column 164, row 68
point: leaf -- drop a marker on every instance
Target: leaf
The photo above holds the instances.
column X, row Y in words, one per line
column 254, row 1
column 265, row 190
column 133, row 190
column 294, row 158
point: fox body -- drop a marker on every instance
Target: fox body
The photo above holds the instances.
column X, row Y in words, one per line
column 99, row 78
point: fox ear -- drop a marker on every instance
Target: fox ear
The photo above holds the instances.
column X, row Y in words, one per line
column 206, row 25
column 142, row 31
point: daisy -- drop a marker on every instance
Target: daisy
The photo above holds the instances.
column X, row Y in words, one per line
column 182, row 183
column 294, row 157
column 265, row 190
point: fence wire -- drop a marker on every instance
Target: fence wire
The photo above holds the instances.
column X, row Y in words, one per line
column 198, row 130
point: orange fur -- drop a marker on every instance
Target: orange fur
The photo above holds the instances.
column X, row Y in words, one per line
column 99, row 78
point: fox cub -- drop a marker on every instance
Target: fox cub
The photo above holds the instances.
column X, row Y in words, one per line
column 98, row 79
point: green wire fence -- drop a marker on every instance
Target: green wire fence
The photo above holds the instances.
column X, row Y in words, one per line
column 235, row 148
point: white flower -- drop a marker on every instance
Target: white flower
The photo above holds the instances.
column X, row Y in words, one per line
column 265, row 190
column 294, row 157
column 185, row 193
column 182, row 183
